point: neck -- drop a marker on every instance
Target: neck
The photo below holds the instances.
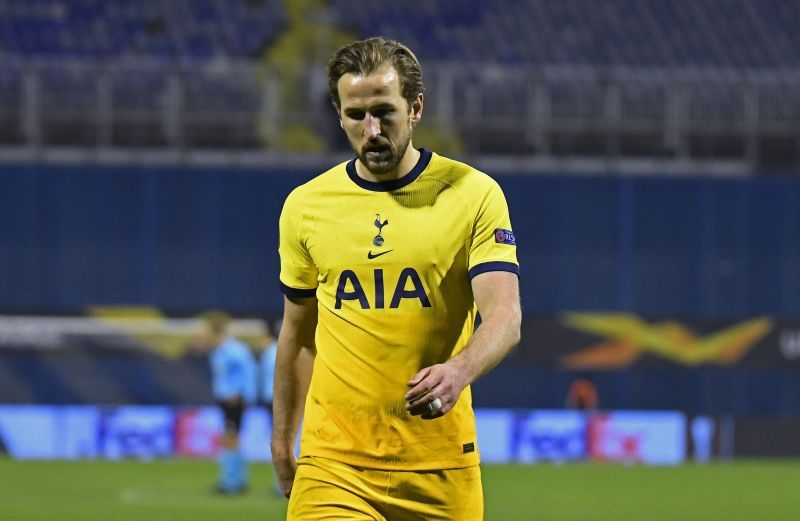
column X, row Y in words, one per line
column 410, row 158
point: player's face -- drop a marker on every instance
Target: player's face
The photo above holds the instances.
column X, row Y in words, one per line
column 377, row 119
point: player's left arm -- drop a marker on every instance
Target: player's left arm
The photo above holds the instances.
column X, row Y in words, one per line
column 497, row 296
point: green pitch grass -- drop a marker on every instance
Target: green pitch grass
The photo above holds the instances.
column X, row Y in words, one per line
column 181, row 490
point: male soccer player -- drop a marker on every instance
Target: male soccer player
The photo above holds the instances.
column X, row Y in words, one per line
column 233, row 375
column 385, row 260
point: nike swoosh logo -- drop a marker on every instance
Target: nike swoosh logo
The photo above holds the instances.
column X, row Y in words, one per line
column 371, row 255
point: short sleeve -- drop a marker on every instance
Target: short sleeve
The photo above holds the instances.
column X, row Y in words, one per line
column 298, row 277
column 494, row 246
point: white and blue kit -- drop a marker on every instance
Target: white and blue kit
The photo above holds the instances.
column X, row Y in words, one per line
column 234, row 386
column 233, row 372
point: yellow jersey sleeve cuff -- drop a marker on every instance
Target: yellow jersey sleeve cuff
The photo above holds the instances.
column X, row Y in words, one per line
column 493, row 266
column 297, row 292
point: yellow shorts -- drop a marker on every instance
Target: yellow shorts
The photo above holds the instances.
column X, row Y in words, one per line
column 328, row 489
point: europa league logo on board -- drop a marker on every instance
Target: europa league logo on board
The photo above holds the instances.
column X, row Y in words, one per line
column 378, row 240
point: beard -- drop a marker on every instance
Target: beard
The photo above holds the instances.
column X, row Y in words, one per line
column 381, row 155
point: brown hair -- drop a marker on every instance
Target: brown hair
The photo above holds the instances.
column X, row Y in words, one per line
column 365, row 56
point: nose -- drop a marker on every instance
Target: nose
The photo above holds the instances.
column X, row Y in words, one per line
column 372, row 126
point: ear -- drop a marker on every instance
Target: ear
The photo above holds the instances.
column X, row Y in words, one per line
column 341, row 123
column 416, row 110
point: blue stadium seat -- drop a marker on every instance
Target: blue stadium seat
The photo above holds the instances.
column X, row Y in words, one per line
column 145, row 28
column 739, row 33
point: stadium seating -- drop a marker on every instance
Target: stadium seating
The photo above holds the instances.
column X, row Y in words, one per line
column 738, row 33
column 184, row 29
column 644, row 78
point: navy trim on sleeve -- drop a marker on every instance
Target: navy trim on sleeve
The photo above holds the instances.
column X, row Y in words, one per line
column 493, row 266
column 395, row 184
column 297, row 293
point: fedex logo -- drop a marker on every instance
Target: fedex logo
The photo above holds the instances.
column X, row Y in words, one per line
column 142, row 432
column 543, row 435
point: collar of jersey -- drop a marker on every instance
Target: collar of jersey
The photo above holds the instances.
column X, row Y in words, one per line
column 387, row 186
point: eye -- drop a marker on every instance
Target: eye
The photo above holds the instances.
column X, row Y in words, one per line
column 355, row 114
column 382, row 112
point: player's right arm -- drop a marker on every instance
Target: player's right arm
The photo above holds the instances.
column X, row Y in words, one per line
column 293, row 365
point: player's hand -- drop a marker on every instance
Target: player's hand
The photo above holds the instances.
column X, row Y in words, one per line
column 285, row 469
column 439, row 384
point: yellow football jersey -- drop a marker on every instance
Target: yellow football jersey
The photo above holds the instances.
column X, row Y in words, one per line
column 390, row 264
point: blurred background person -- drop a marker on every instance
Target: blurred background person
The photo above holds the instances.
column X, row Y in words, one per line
column 233, row 375
column 582, row 394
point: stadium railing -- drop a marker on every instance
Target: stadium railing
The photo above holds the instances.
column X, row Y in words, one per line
column 557, row 111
